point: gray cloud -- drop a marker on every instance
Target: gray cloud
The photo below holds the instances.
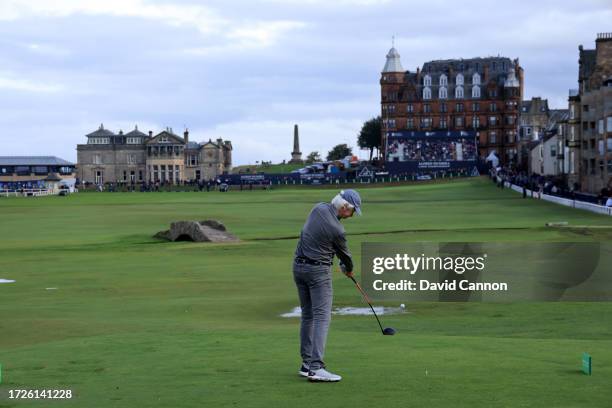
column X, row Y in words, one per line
column 248, row 71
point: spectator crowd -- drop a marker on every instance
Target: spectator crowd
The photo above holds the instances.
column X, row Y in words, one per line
column 551, row 185
column 406, row 149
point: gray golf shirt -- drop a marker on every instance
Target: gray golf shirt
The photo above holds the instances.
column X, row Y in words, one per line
column 323, row 236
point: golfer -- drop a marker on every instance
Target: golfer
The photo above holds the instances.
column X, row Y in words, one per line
column 322, row 236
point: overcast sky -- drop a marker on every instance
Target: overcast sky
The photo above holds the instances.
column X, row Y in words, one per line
column 248, row 70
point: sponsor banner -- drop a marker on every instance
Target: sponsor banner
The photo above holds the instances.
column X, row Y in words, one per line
column 253, row 177
column 279, row 178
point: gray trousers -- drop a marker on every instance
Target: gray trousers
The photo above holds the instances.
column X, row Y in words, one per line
column 314, row 285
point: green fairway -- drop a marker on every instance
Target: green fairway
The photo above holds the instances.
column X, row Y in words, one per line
column 136, row 322
column 269, row 168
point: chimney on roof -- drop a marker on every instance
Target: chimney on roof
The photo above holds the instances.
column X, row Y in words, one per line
column 150, row 133
column 603, row 49
column 604, row 36
column 186, row 136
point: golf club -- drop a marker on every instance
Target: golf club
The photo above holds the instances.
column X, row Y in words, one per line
column 387, row 331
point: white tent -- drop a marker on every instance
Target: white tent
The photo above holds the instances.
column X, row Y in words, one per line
column 493, row 159
column 69, row 182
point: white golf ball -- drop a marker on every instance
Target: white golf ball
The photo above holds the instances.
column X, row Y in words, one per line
column 403, row 306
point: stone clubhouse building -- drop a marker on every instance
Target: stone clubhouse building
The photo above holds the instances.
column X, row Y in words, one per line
column 137, row 158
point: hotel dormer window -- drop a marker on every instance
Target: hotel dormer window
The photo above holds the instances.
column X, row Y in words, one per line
column 163, row 139
column 475, row 91
column 427, row 80
column 459, row 92
column 443, row 93
column 427, row 93
column 476, row 79
column 443, row 80
column 459, row 79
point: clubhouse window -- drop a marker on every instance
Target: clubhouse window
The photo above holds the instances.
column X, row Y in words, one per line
column 22, row 170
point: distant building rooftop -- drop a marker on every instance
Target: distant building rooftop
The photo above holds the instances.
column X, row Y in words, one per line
column 33, row 161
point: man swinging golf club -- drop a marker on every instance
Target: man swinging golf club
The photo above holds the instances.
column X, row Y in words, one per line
column 322, row 236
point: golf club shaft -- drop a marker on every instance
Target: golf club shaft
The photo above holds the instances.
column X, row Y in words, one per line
column 365, row 297
column 363, row 292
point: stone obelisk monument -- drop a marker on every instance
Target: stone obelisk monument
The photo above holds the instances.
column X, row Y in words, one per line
column 296, row 155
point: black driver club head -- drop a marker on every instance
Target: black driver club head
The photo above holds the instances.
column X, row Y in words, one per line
column 389, row 331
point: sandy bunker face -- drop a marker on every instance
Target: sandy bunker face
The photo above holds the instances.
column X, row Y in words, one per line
column 351, row 311
column 6, row 281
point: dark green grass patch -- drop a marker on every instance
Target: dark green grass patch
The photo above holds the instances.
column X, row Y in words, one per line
column 138, row 322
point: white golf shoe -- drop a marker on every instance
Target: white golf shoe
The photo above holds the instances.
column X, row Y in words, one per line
column 303, row 370
column 323, row 375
